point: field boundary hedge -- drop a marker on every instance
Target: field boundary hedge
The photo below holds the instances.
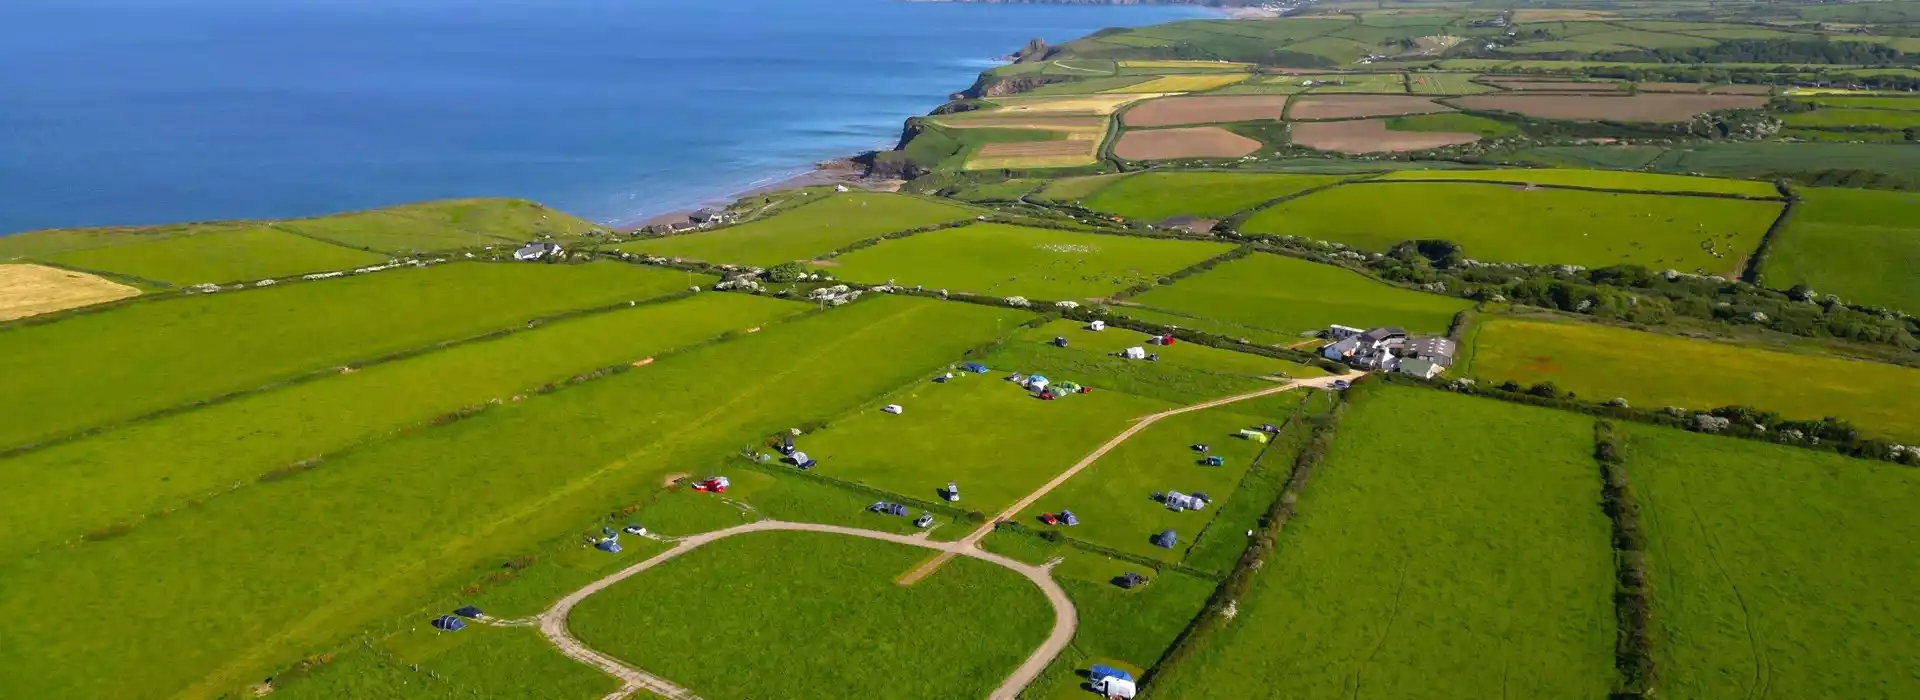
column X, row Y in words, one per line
column 1633, row 587
column 1232, row 223
column 1236, row 253
column 1757, row 262
column 1266, row 539
column 1258, row 467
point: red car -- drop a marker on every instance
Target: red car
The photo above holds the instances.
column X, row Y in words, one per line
column 1049, row 519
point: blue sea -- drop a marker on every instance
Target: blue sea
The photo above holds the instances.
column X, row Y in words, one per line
column 150, row 111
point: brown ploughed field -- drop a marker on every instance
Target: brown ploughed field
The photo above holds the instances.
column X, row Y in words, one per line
column 1671, row 87
column 1371, row 136
column 1178, row 111
column 1654, row 107
column 30, row 290
column 1197, row 142
column 1354, row 106
column 1063, row 147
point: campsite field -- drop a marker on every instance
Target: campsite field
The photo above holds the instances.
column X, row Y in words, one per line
column 1857, row 244
column 1447, row 546
column 992, row 437
column 241, row 253
column 435, row 509
column 31, row 290
column 1779, row 571
column 1185, row 374
column 1535, row 226
column 1653, row 370
column 818, row 616
column 1004, row 260
column 1117, row 627
column 479, row 661
column 1289, row 296
column 1183, row 355
column 67, row 490
column 1113, row 497
column 1157, row 196
column 804, row 232
column 102, row 368
column 1599, row 179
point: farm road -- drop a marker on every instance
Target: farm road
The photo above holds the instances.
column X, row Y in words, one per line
column 971, row 542
column 553, row 622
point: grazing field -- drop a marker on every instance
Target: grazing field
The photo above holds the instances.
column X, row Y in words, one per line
column 1356, row 106
column 1004, row 260
column 103, row 368
column 67, row 490
column 1007, row 191
column 1289, row 296
column 1156, row 196
column 1181, row 111
column 1859, row 244
column 31, row 290
column 233, row 254
column 1448, row 546
column 1599, row 179
column 1536, row 226
column 1185, row 83
column 1446, row 84
column 1779, row 571
column 1191, row 142
column 1371, row 136
column 434, row 510
column 818, row 615
column 1075, row 188
column 1113, row 498
column 1651, row 370
column 1452, row 122
column 992, row 437
column 806, row 231
column 1838, row 117
column 1652, row 107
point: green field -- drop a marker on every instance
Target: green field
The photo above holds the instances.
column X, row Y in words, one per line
column 1185, row 374
column 1117, row 627
column 250, row 581
column 1112, row 497
column 818, row 616
column 225, row 255
column 398, row 230
column 1599, row 179
column 1007, row 191
column 1777, row 571
column 1075, row 188
column 1181, row 355
column 1652, row 370
column 1860, row 245
column 993, row 438
column 119, row 476
column 1838, row 117
column 1539, row 227
column 1907, row 104
column 1384, row 83
column 1003, row 260
column 1157, row 196
column 102, row 368
column 1289, row 296
column 807, row 231
column 480, row 661
column 1447, row 547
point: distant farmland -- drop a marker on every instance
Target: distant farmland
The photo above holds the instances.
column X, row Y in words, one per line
column 1155, row 196
column 1002, row 260
column 806, row 231
column 1286, row 296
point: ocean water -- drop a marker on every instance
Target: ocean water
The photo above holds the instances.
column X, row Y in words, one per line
column 149, row 111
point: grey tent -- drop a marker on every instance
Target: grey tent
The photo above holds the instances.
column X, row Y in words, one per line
column 467, row 611
column 1067, row 517
column 449, row 623
column 1129, row 580
column 1166, row 539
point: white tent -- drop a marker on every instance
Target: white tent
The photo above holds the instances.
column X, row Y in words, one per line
column 1135, row 353
column 1097, row 326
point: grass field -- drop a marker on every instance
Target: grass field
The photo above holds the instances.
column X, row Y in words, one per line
column 1858, row 244
column 818, row 616
column 1184, row 83
column 806, row 231
column 1288, row 296
column 480, row 661
column 1075, row 188
column 1007, row 191
column 68, row 490
column 1157, row 196
column 1539, row 226
column 1599, row 179
column 1447, row 547
column 1113, row 497
column 1652, row 370
column 225, row 255
column 1907, row 104
column 1184, row 355
column 425, row 226
column 31, row 290
column 1117, row 627
column 1876, row 118
column 990, row 436
column 1779, row 572
column 1185, row 374
column 1446, row 84
column 1387, row 83
column 99, row 369
column 1004, row 260
column 1452, row 123
column 251, row 581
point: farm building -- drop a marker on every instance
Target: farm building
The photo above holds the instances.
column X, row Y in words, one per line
column 538, row 250
column 709, row 217
column 1387, row 348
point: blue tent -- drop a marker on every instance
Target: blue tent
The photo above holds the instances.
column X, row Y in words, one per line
column 467, row 611
column 974, row 367
column 449, row 623
column 608, row 546
column 1165, row 540
column 1098, row 672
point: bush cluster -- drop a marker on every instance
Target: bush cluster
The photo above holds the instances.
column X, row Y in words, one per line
column 1632, row 597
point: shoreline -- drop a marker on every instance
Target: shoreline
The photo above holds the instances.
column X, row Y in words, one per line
column 838, row 171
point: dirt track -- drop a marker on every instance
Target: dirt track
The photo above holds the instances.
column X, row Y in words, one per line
column 553, row 622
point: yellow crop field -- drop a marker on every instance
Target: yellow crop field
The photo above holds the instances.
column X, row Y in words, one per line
column 1182, row 83
column 1064, row 105
column 28, row 290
